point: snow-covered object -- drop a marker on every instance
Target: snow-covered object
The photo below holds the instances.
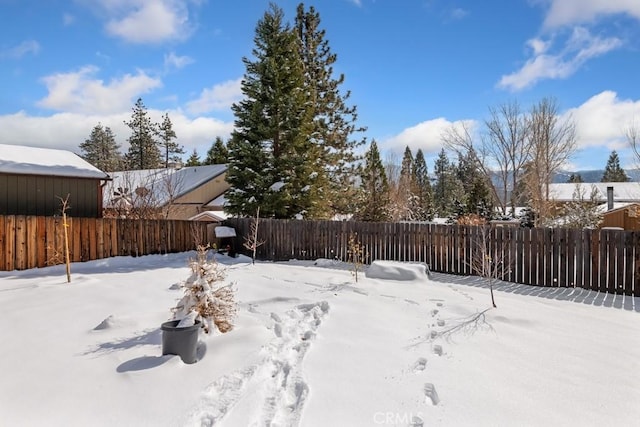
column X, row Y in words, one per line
column 223, row 231
column 277, row 186
column 392, row 270
column 18, row 159
column 206, row 297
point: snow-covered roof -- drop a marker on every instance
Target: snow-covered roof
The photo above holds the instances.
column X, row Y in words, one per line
column 219, row 201
column 622, row 191
column 22, row 160
column 216, row 216
column 159, row 185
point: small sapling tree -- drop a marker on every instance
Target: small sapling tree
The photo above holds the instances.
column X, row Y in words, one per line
column 356, row 254
column 206, row 297
column 489, row 257
column 64, row 206
column 251, row 241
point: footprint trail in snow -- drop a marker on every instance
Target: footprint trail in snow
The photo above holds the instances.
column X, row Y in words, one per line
column 276, row 384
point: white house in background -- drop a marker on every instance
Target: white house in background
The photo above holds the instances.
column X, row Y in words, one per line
column 623, row 192
column 174, row 193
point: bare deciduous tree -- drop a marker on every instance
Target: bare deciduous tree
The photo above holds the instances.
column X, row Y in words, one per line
column 632, row 133
column 489, row 257
column 552, row 141
column 502, row 152
column 251, row 241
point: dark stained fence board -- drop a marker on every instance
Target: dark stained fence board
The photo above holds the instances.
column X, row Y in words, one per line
column 628, row 263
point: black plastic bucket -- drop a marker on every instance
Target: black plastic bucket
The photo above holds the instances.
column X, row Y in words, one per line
column 181, row 341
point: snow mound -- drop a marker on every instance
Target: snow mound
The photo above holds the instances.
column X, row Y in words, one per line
column 393, row 270
column 108, row 323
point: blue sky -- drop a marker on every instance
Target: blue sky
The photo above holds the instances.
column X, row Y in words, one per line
column 414, row 67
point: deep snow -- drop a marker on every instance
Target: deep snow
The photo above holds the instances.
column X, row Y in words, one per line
column 313, row 348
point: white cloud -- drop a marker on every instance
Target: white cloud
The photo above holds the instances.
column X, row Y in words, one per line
column 171, row 60
column 570, row 12
column 426, row 136
column 580, row 47
column 218, row 97
column 80, row 92
column 24, row 48
column 143, row 21
column 68, row 130
column 603, row 119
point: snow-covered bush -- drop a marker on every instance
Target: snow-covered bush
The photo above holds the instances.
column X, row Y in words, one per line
column 207, row 297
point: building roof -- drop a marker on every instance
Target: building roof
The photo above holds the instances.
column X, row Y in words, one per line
column 211, row 216
column 159, row 185
column 622, row 191
column 21, row 160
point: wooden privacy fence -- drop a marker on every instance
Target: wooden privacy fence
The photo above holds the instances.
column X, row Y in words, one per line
column 601, row 260
column 36, row 241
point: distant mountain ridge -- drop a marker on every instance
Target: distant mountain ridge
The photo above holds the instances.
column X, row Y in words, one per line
column 593, row 175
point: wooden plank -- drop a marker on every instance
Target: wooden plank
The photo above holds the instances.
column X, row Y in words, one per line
column 571, row 257
column 3, row 237
column 620, row 258
column 579, row 257
column 21, row 243
column 99, row 236
column 604, row 260
column 32, row 241
column 41, row 230
column 10, row 242
column 562, row 244
column 628, row 263
column 636, row 263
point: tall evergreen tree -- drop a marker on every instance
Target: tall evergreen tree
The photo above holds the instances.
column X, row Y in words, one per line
column 477, row 194
column 447, row 188
column 194, row 159
column 332, row 143
column 613, row 172
column 269, row 157
column 101, row 149
column 375, row 202
column 217, row 154
column 424, row 211
column 575, row 178
column 166, row 136
column 143, row 149
column 406, row 199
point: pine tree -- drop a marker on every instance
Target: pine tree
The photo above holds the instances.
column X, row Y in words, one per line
column 143, row 149
column 217, row 154
column 405, row 200
column 613, row 172
column 575, row 178
column 375, row 202
column 476, row 191
column 166, row 136
column 269, row 156
column 424, row 211
column 101, row 149
column 448, row 188
column 332, row 146
column 194, row 159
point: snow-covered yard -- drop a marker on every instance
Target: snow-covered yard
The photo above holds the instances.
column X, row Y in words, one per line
column 313, row 348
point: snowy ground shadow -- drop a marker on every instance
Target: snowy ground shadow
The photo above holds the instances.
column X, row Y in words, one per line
column 150, row 362
column 148, row 337
column 577, row 295
column 142, row 363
